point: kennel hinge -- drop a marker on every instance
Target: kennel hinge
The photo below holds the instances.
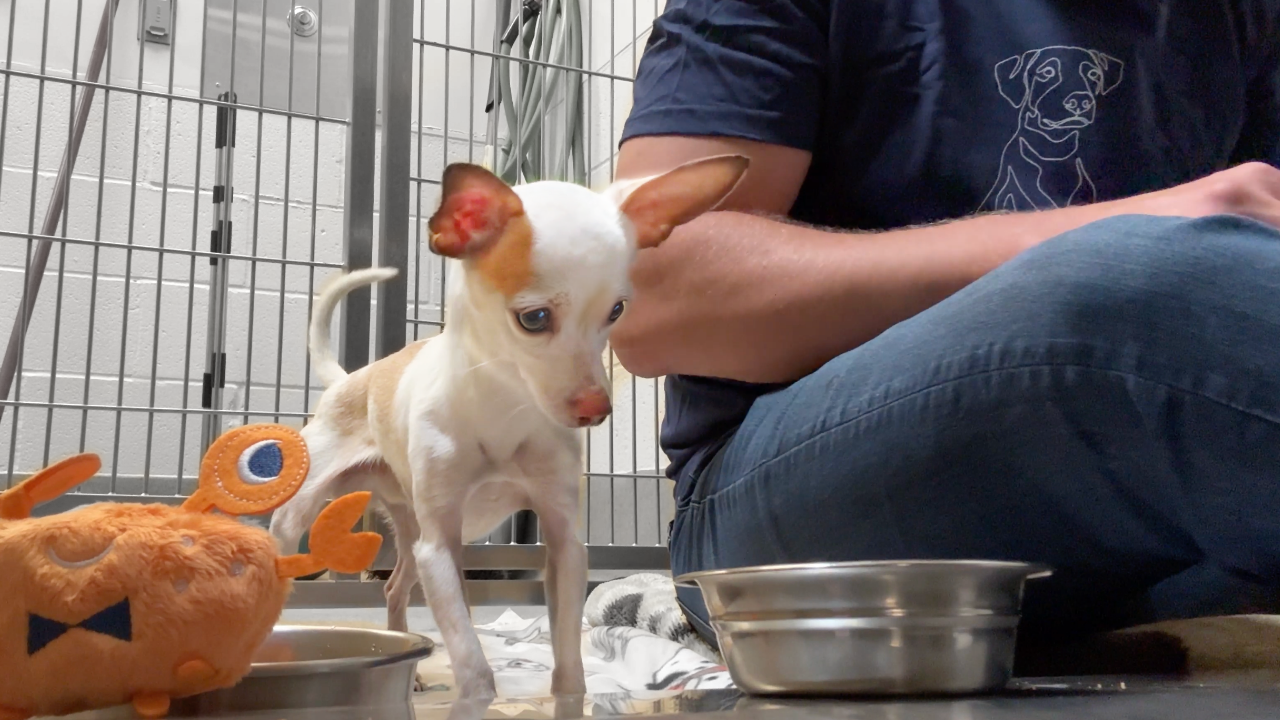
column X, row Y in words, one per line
column 225, row 132
column 220, row 242
column 220, row 370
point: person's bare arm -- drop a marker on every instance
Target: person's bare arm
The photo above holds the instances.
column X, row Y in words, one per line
column 742, row 296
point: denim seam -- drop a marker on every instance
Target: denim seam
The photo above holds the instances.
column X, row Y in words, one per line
column 970, row 376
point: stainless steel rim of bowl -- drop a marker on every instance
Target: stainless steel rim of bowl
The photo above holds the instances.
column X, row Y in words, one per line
column 904, row 624
column 1032, row 571
column 421, row 647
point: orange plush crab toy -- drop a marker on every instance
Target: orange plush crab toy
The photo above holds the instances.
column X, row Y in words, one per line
column 120, row 603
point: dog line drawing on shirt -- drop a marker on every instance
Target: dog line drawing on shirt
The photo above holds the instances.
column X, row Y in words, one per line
column 1056, row 90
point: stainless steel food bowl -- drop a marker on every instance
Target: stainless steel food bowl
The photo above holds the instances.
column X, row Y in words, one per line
column 867, row 628
column 310, row 667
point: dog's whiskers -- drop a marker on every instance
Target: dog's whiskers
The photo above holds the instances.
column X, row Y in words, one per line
column 478, row 365
column 516, row 410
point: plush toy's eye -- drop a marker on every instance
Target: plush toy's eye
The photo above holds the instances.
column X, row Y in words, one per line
column 261, row 462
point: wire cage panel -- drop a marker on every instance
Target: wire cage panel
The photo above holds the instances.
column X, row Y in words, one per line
column 115, row 356
column 148, row 332
column 285, row 56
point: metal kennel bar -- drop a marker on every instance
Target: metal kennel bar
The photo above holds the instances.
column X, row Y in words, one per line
column 317, row 131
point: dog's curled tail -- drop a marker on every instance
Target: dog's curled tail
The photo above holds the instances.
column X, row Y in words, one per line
column 331, row 293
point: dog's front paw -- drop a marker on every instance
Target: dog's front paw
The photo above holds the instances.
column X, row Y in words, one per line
column 469, row 709
column 571, row 681
column 570, row 707
column 478, row 686
column 397, row 620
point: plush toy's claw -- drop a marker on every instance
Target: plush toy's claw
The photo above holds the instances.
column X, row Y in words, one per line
column 151, row 706
column 17, row 502
column 332, row 543
column 296, row 566
column 194, row 674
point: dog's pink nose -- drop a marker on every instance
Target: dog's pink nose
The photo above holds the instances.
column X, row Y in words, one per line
column 590, row 407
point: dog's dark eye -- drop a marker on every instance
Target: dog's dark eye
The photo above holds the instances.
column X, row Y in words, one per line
column 1045, row 73
column 617, row 311
column 535, row 321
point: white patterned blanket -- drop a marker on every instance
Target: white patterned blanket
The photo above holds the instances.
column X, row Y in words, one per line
column 636, row 653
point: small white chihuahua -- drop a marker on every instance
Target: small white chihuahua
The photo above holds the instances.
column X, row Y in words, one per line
column 455, row 433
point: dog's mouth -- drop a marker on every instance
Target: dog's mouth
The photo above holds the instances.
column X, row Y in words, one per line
column 1070, row 123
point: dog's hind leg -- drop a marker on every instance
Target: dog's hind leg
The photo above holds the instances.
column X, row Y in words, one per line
column 404, row 576
column 291, row 520
column 334, row 472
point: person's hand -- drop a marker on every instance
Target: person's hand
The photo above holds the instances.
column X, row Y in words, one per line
column 1251, row 190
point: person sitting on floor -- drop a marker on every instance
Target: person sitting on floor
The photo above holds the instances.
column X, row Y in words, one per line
column 1001, row 283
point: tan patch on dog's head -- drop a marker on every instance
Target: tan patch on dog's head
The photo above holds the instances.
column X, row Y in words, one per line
column 508, row 265
column 482, row 220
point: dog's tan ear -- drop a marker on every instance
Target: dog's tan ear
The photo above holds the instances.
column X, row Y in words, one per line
column 475, row 207
column 658, row 205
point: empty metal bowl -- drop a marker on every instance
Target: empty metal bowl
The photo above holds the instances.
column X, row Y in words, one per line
column 313, row 668
column 867, row 628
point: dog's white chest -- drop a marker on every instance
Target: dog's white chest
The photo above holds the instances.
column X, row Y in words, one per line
column 489, row 504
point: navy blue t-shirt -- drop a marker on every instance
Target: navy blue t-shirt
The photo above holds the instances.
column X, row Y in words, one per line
column 923, row 110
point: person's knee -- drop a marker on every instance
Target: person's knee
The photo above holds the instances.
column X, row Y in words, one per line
column 1163, row 249
column 1136, row 273
column 695, row 611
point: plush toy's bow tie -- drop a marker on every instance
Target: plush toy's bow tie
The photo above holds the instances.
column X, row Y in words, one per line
column 114, row 622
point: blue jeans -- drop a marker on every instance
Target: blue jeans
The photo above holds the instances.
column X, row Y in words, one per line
column 1107, row 403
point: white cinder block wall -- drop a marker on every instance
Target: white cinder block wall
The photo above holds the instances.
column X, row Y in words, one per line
column 115, row 328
